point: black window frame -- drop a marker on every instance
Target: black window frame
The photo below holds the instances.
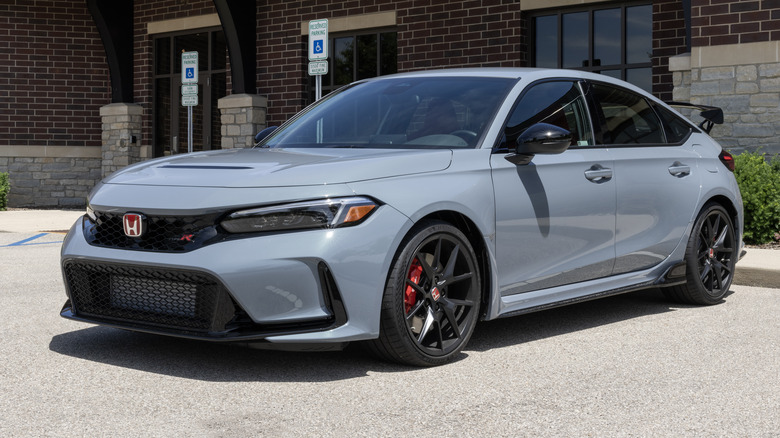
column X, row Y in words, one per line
column 597, row 120
column 623, row 66
column 668, row 129
column 329, row 77
column 501, row 146
column 655, row 106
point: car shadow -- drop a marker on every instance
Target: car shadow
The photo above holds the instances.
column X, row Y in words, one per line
column 206, row 361
column 535, row 326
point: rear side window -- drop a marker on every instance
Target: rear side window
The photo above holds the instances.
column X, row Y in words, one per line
column 676, row 129
column 627, row 117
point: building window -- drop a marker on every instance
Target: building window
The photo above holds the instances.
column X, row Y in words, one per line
column 614, row 39
column 170, row 117
column 359, row 56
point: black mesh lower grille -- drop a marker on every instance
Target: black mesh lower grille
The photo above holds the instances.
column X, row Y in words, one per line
column 167, row 298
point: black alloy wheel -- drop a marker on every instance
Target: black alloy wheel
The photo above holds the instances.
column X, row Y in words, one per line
column 711, row 257
column 432, row 297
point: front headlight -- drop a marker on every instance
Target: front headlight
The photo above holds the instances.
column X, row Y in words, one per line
column 91, row 213
column 326, row 213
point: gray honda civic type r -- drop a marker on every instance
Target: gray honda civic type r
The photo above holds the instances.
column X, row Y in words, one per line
column 399, row 211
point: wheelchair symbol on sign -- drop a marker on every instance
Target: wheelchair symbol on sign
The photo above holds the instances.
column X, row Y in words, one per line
column 318, row 46
column 190, row 72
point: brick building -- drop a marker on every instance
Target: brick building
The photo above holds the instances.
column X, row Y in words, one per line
column 90, row 86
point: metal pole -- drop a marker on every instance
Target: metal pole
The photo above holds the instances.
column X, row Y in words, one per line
column 189, row 129
column 318, row 89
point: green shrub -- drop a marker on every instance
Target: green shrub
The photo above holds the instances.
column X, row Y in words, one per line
column 775, row 163
column 5, row 186
column 759, row 182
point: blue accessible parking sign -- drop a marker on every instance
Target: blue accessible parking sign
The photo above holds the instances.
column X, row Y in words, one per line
column 318, row 40
column 318, row 46
column 189, row 68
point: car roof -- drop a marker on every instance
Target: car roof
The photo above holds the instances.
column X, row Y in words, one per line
column 500, row 72
column 517, row 73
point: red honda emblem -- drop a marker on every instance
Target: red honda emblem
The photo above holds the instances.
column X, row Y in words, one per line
column 134, row 224
column 435, row 294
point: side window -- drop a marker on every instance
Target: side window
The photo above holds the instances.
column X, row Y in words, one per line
column 676, row 129
column 558, row 103
column 628, row 119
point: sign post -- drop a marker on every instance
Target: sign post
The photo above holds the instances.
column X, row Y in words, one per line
column 189, row 89
column 318, row 52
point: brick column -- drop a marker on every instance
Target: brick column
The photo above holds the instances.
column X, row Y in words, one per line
column 121, row 136
column 242, row 116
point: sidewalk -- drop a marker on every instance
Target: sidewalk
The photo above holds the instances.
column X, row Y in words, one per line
column 38, row 221
column 759, row 267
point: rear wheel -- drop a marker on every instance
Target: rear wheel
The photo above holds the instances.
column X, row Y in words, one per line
column 431, row 299
column 710, row 258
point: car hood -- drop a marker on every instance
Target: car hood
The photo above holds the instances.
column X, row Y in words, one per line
column 281, row 167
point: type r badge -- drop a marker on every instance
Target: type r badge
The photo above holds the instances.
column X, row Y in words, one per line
column 134, row 224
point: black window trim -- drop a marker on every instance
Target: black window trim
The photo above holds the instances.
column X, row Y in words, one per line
column 580, row 82
column 329, row 88
column 651, row 103
column 559, row 12
column 593, row 111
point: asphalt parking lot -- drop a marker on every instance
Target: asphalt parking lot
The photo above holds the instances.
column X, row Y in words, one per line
column 632, row 365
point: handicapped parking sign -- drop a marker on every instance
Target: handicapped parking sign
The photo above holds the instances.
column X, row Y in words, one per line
column 318, row 40
column 189, row 67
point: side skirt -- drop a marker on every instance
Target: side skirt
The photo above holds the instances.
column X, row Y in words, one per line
column 534, row 301
column 581, row 299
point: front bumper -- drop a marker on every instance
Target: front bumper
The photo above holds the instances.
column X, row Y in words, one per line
column 178, row 302
column 297, row 287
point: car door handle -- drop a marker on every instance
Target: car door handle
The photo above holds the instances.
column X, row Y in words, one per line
column 598, row 174
column 679, row 169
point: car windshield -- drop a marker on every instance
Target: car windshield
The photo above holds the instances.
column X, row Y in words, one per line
column 423, row 112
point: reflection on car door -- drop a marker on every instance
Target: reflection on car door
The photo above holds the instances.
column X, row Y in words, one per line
column 657, row 182
column 657, row 192
column 555, row 217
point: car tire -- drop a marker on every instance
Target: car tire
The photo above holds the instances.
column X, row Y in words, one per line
column 431, row 299
column 710, row 258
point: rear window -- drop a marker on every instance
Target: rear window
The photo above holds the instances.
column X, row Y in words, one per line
column 676, row 129
column 628, row 118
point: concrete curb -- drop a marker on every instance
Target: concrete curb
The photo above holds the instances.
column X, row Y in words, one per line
column 759, row 267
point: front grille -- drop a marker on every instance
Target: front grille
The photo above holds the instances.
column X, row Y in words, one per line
column 167, row 298
column 163, row 233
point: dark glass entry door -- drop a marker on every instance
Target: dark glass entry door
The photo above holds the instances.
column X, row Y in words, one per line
column 170, row 116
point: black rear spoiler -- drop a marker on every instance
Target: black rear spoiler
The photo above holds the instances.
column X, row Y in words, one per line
column 712, row 115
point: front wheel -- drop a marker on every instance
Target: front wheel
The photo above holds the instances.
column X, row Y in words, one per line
column 431, row 300
column 710, row 257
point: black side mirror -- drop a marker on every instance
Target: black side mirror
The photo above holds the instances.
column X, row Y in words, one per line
column 264, row 133
column 541, row 138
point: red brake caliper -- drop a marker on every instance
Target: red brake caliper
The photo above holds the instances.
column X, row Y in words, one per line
column 410, row 295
